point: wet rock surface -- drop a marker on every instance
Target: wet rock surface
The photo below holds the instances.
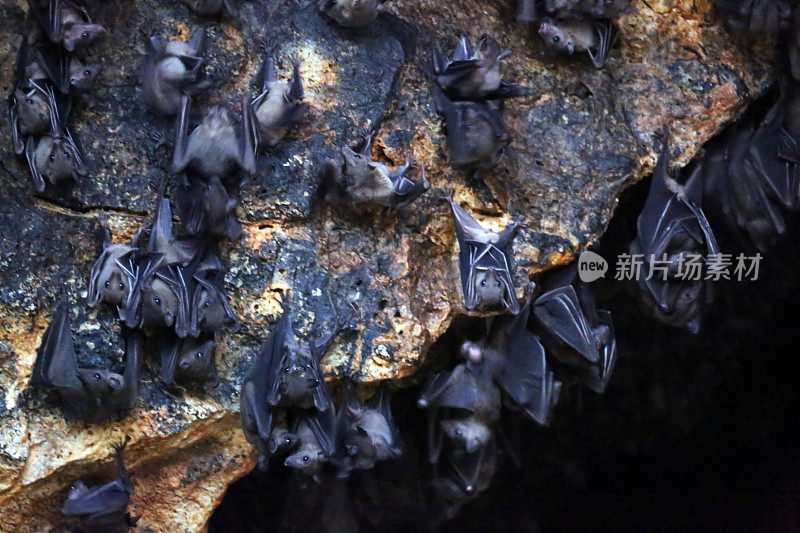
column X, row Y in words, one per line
column 580, row 139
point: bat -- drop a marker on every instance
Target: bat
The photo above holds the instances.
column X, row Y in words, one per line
column 103, row 507
column 69, row 73
column 211, row 310
column 517, row 363
column 170, row 70
column 476, row 135
column 285, row 375
column 365, row 432
column 568, row 314
column 210, row 8
column 351, row 13
column 315, row 432
column 461, row 475
column 214, row 148
column 475, row 75
column 113, row 275
column 359, row 179
column 165, row 303
column 92, row 395
column 66, row 22
column 56, row 155
column 461, row 404
column 30, row 113
column 485, row 260
column 672, row 225
column 208, row 209
column 279, row 106
column 162, row 240
column 189, row 358
column 756, row 16
column 586, row 34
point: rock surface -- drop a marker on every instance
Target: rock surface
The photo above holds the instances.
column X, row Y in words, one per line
column 582, row 137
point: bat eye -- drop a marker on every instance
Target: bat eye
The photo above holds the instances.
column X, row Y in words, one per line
column 72, row 80
column 556, row 38
column 157, row 301
column 107, row 283
column 207, row 304
column 52, row 158
column 483, row 283
column 199, row 355
column 66, row 154
column 121, row 285
column 458, row 432
column 497, row 283
column 85, row 35
column 30, row 101
column 305, row 458
column 87, row 71
column 97, row 376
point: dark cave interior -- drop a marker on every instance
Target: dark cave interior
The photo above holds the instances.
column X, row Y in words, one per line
column 694, row 432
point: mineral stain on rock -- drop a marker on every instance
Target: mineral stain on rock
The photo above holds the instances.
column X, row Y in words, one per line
column 577, row 142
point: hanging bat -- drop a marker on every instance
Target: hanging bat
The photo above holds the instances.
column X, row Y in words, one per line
column 214, row 148
column 66, row 22
column 672, row 225
column 570, row 35
column 89, row 394
column 113, row 276
column 172, row 69
column 476, row 135
column 315, row 431
column 69, row 73
column 279, row 106
column 365, row 432
column 165, row 303
column 284, row 375
column 208, row 209
column 189, row 358
column 103, row 507
column 351, row 13
column 485, row 260
column 462, row 404
column 577, row 332
column 361, row 180
column 516, row 361
column 56, row 155
column 162, row 240
column 30, row 113
column 461, row 475
column 475, row 75
column 213, row 8
column 211, row 310
column 756, row 16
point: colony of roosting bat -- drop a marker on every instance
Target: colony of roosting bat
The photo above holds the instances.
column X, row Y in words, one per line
column 167, row 286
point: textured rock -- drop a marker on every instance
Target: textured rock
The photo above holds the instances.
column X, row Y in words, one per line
column 581, row 138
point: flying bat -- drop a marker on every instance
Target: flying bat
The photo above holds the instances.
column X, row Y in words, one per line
column 172, row 69
column 485, row 260
column 359, row 179
column 351, row 13
column 103, row 507
column 89, row 394
column 576, row 332
column 280, row 104
column 215, row 148
column 66, row 22
column 476, row 135
column 475, row 75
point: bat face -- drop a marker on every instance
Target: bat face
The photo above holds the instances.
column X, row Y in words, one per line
column 557, row 38
column 489, row 288
column 115, row 288
column 82, row 77
column 282, row 441
column 196, row 360
column 308, row 459
column 56, row 159
column 33, row 111
column 298, row 381
column 211, row 309
column 160, row 304
column 80, row 36
column 77, row 490
column 351, row 13
column 100, row 383
column 467, row 432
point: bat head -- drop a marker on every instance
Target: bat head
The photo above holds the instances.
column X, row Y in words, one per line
column 100, row 383
column 356, row 165
column 488, row 287
column 80, row 36
column 77, row 490
column 218, row 117
column 32, row 109
column 160, row 305
column 557, row 38
column 282, row 441
column 308, row 459
column 82, row 77
column 211, row 308
column 196, row 359
column 115, row 288
column 298, row 379
column 61, row 160
column 468, row 433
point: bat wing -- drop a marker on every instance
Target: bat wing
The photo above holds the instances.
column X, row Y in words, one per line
column 467, row 468
column 274, row 353
column 55, row 61
column 475, row 256
column 560, row 312
column 126, row 397
column 56, row 366
column 458, row 389
column 146, row 265
column 255, row 389
column 44, row 11
column 322, row 398
column 111, row 498
column 30, row 156
column 467, row 228
column 249, row 138
column 169, row 359
column 382, row 402
column 600, row 373
column 173, row 277
column 323, row 425
column 606, row 34
column 692, row 199
column 181, row 157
